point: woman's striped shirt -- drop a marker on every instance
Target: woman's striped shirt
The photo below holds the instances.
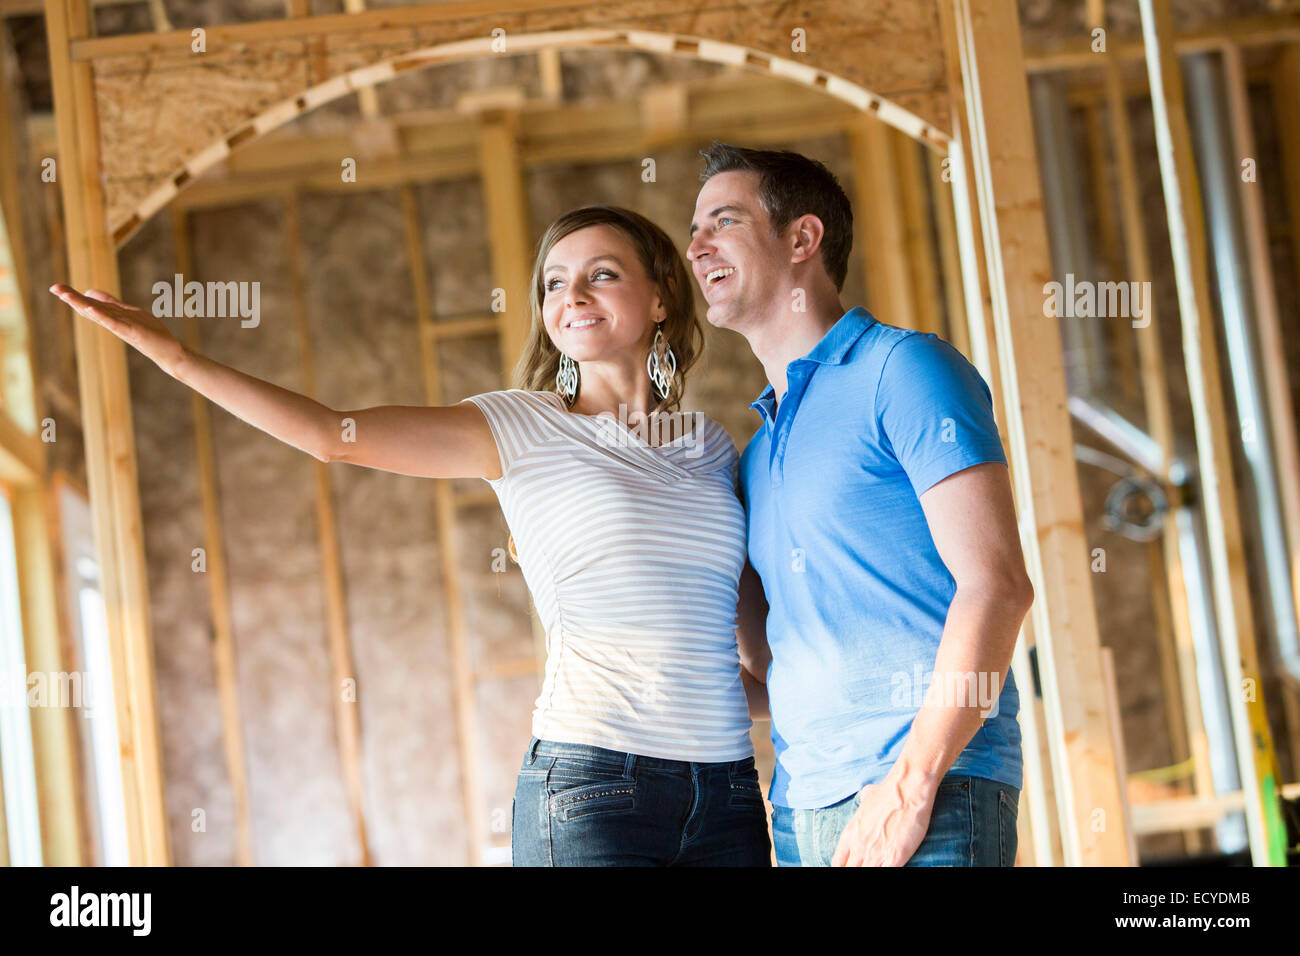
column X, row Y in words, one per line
column 632, row 553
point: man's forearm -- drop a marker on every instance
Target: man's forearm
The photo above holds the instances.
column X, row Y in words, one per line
column 970, row 669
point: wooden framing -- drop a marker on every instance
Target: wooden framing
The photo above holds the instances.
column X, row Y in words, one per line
column 223, row 631
column 1285, row 84
column 1188, row 735
column 109, row 441
column 900, row 75
column 1005, row 169
column 347, row 719
column 1227, row 559
column 880, row 223
column 1272, row 354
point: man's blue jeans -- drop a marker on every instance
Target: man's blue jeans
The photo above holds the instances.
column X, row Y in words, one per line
column 973, row 824
column 579, row 805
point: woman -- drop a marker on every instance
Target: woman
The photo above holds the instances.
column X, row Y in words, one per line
column 632, row 543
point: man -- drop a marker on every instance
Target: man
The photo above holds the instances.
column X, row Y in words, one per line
column 881, row 525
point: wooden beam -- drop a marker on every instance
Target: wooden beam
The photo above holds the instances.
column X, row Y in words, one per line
column 550, row 72
column 54, row 731
column 88, row 48
column 1285, row 84
column 956, row 329
column 1005, row 168
column 109, row 443
column 918, row 232
column 462, row 674
column 1187, row 734
column 1214, row 451
column 1076, row 54
column 957, row 174
column 347, row 720
column 223, row 630
column 502, row 176
column 882, row 235
column 1116, row 726
column 1268, row 323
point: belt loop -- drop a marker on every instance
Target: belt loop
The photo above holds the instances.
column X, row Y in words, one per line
column 532, row 748
column 629, row 764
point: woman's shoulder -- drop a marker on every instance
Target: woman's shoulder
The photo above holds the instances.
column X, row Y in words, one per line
column 519, row 398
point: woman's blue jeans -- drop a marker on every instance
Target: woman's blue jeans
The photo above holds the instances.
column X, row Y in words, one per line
column 973, row 824
column 579, row 805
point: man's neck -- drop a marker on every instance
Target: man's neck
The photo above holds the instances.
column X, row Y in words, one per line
column 785, row 336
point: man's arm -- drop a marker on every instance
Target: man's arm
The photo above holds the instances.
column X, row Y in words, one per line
column 973, row 523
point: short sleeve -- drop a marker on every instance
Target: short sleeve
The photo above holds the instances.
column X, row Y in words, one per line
column 935, row 410
column 516, row 418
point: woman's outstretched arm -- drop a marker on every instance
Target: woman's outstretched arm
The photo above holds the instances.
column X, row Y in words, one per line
column 430, row 442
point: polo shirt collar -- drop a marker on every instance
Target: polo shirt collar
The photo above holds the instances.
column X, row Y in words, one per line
column 837, row 341
column 831, row 350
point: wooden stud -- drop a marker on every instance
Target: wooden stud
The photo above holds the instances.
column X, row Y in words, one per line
column 1285, row 84
column 1116, row 725
column 1272, row 350
column 465, row 705
column 347, row 720
column 956, row 329
column 1219, row 498
column 882, row 233
column 109, row 443
column 223, row 631
column 1005, row 168
column 508, row 229
column 1159, row 422
column 918, row 232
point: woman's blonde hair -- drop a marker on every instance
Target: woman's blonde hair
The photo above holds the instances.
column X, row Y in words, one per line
column 681, row 327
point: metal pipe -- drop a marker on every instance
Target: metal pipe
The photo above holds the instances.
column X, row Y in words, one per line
column 1218, row 164
column 1084, row 347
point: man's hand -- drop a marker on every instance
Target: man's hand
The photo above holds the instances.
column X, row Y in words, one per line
column 890, row 823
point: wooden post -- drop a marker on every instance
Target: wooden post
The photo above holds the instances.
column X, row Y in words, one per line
column 465, row 704
column 881, row 233
column 223, row 631
column 1214, row 453
column 347, row 720
column 110, row 443
column 1286, row 111
column 977, row 306
column 957, row 330
column 1005, row 168
column 54, row 737
column 512, row 246
column 918, row 231
column 1159, row 421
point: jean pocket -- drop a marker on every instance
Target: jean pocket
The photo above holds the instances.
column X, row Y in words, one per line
column 1008, row 839
column 605, row 796
column 745, row 792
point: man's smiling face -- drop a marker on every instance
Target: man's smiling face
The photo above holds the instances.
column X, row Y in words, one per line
column 733, row 253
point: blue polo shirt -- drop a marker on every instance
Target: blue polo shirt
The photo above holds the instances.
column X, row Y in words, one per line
column 874, row 416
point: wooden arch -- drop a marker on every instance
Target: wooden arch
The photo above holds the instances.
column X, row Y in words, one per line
column 139, row 116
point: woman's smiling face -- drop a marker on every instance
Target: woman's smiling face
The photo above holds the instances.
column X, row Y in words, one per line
column 597, row 299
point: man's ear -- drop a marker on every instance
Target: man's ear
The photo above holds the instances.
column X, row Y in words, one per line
column 805, row 237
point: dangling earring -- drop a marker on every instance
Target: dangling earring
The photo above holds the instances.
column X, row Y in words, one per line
column 566, row 379
column 661, row 371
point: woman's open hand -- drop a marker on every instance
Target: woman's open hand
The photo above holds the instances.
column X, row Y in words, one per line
column 134, row 326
